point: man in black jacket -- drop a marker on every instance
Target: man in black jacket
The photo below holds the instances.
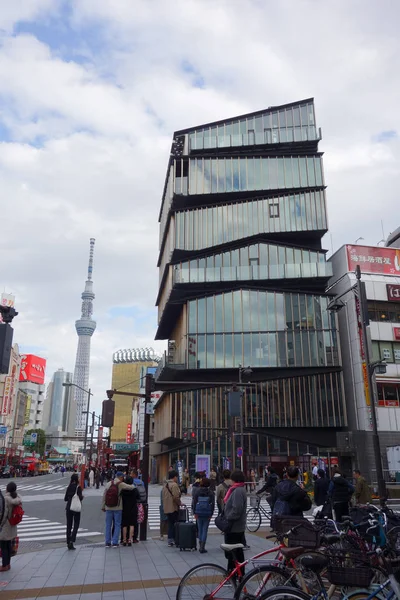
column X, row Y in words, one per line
column 340, row 491
column 321, row 486
column 290, row 498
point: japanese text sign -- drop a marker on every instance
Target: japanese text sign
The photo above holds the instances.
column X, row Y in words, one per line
column 33, row 368
column 393, row 292
column 371, row 259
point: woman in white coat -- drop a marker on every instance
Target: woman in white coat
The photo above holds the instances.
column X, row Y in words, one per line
column 8, row 532
column 91, row 478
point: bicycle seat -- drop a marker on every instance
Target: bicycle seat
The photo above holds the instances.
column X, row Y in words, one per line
column 231, row 547
column 292, row 552
column 314, row 561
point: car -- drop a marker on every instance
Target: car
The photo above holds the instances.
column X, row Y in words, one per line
column 5, row 472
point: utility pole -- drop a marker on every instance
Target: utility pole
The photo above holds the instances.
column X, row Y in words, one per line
column 370, row 371
column 91, row 438
column 149, row 388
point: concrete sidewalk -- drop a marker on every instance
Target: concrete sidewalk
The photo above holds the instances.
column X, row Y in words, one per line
column 146, row 571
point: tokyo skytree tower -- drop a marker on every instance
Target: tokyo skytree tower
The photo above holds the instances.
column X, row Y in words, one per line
column 85, row 327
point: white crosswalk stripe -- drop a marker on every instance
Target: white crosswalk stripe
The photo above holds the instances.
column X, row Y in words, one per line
column 37, row 487
column 32, row 529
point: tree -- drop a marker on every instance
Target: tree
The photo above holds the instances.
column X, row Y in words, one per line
column 40, row 445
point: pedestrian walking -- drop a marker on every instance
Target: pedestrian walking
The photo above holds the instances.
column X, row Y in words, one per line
column 252, row 479
column 213, row 479
column 73, row 497
column 112, row 506
column 271, row 481
column 321, row 487
column 171, row 501
column 203, row 504
column 91, row 478
column 289, row 497
column 222, row 488
column 235, row 512
column 97, row 479
column 102, row 476
column 185, row 481
column 163, row 519
column 362, row 492
column 340, row 491
column 130, row 499
column 62, row 471
column 8, row 526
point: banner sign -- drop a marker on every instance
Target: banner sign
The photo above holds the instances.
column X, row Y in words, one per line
column 385, row 261
column 33, row 368
column 128, row 433
column 203, row 463
column 6, row 395
column 393, row 292
column 28, row 409
column 396, row 333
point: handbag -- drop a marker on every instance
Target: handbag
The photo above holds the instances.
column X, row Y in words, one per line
column 140, row 517
column 223, row 524
column 76, row 504
column 14, row 546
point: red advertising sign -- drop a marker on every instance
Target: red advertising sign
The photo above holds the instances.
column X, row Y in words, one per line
column 33, row 368
column 393, row 292
column 373, row 259
column 128, row 433
column 396, row 333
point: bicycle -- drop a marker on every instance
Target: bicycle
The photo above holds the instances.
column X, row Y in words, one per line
column 254, row 515
column 210, row 581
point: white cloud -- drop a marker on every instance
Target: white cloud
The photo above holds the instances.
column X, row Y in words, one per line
column 86, row 141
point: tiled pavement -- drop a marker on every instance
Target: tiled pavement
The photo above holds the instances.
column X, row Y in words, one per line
column 146, row 571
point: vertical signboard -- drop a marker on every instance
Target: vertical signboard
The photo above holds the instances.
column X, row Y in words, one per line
column 6, row 396
column 128, row 433
column 28, row 409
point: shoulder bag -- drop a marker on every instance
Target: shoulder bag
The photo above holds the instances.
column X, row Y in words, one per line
column 76, row 504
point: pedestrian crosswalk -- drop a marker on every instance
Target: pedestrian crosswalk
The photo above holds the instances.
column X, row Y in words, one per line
column 33, row 487
column 33, row 529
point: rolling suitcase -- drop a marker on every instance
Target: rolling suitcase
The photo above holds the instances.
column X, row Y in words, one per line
column 185, row 531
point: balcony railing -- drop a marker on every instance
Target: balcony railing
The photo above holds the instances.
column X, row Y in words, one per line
column 254, row 272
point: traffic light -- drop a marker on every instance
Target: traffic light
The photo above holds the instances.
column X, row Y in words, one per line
column 193, row 435
column 107, row 419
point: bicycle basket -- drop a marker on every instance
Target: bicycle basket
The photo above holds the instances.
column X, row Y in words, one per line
column 281, row 523
column 304, row 535
column 348, row 569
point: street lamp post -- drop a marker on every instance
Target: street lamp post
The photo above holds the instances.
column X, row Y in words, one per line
column 89, row 393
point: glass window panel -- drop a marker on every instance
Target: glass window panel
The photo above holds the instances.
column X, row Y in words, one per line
column 306, row 348
column 214, row 176
column 304, row 115
column 235, row 168
column 265, row 176
column 235, row 258
column 228, row 168
column 207, row 176
column 273, row 255
column 219, row 351
column 318, row 171
column 303, row 172
column 288, row 172
column 210, row 351
column 258, row 123
column 262, row 315
column 273, row 361
column 281, row 173
column 254, row 312
column 244, row 256
column 238, row 349
column 290, row 349
column 228, row 128
column 201, row 351
column 282, row 120
column 210, row 240
column 296, row 115
column 297, row 349
column 289, row 117
column 228, row 324
column 192, row 327
column 286, row 210
column 251, row 183
column 228, row 351
column 243, row 173
column 200, row 176
column 221, row 175
column 311, row 171
column 241, row 221
column 246, row 310
column 274, row 118
column 218, row 260
column 210, row 314
column 296, row 312
column 296, row 172
column 386, row 351
column 271, row 311
column 247, row 349
column 281, row 255
column 242, row 126
column 201, row 315
column 279, row 311
column 237, row 311
column 281, row 343
column 257, row 174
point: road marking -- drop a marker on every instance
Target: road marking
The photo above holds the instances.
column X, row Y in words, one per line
column 32, row 529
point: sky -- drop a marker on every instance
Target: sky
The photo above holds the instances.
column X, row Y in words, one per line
column 91, row 92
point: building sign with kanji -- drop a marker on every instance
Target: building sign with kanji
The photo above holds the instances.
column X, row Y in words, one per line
column 372, row 259
column 396, row 333
column 393, row 292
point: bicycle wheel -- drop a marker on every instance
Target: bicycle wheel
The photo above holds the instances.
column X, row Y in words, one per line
column 253, row 520
column 363, row 594
column 200, row 582
column 262, row 578
column 284, row 593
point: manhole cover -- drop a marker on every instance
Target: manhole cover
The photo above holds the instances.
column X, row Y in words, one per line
column 29, row 547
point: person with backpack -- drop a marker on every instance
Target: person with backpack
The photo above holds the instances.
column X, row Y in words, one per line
column 11, row 505
column 340, row 491
column 73, row 516
column 289, row 498
column 142, row 500
column 221, row 490
column 203, row 504
column 112, row 506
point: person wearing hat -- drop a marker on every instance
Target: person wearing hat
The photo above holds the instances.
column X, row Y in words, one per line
column 112, row 506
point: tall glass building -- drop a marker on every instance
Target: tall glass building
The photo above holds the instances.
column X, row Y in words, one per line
column 242, row 283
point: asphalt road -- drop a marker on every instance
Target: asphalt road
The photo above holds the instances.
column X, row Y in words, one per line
column 44, row 520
